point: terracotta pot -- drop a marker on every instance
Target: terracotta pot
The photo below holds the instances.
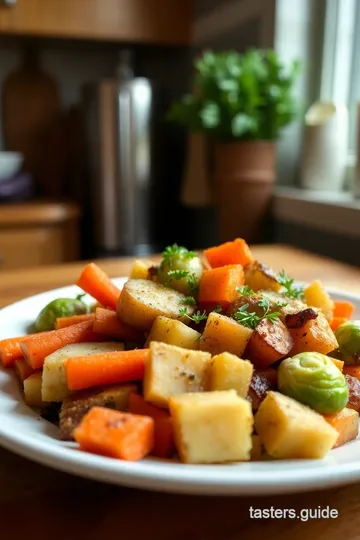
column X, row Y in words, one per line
column 244, row 181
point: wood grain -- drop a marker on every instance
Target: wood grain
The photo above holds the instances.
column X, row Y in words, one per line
column 55, row 506
column 148, row 21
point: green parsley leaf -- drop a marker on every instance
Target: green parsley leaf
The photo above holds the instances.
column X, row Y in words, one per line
column 177, row 274
column 251, row 319
column 196, row 317
column 175, row 251
column 245, row 290
column 193, row 283
column 288, row 285
column 189, row 301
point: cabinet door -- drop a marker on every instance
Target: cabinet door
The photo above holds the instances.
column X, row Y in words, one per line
column 21, row 248
column 149, row 21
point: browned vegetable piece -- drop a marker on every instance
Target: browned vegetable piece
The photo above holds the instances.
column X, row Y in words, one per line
column 269, row 342
column 315, row 336
column 353, row 385
column 74, row 408
column 260, row 385
column 259, row 276
column 297, row 320
column 253, row 302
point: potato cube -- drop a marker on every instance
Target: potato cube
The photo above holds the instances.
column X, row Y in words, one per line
column 269, row 342
column 140, row 269
column 346, row 423
column 228, row 372
column 212, row 427
column 32, row 390
column 315, row 336
column 54, row 385
column 259, row 276
column 317, row 296
column 173, row 332
column 289, row 429
column 172, row 370
column 222, row 334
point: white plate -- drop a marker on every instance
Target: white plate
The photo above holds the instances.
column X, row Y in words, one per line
column 23, row 432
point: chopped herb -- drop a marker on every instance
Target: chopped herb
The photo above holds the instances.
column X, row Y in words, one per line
column 189, row 301
column 196, row 318
column 217, row 309
column 288, row 285
column 193, row 283
column 251, row 319
column 174, row 251
column 80, row 296
column 177, row 274
column 245, row 290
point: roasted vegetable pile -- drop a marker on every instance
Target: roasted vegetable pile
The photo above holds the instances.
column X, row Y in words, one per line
column 212, row 358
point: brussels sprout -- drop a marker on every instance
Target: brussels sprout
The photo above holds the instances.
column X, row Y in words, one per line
column 180, row 269
column 348, row 337
column 313, row 379
column 61, row 307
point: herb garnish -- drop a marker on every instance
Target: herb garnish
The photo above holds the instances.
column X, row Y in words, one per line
column 196, row 317
column 288, row 284
column 171, row 252
column 189, row 301
column 245, row 290
column 251, row 320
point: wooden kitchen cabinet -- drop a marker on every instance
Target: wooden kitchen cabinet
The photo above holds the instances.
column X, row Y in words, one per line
column 147, row 21
column 34, row 234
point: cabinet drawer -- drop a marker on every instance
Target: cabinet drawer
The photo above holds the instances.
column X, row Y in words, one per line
column 21, row 248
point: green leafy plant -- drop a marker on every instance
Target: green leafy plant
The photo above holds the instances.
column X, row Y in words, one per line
column 239, row 96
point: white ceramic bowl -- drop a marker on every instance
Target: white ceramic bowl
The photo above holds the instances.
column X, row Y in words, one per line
column 10, row 164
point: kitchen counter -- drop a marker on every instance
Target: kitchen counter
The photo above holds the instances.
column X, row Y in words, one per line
column 50, row 505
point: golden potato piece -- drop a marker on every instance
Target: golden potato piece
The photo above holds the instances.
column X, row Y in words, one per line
column 32, row 390
column 212, row 427
column 228, row 372
column 140, row 269
column 315, row 336
column 54, row 385
column 289, row 429
column 317, row 296
column 172, row 370
column 173, row 332
column 142, row 300
column 222, row 334
column 260, row 276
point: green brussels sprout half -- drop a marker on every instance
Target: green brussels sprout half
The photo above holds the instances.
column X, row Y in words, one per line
column 313, row 379
column 61, row 307
column 181, row 270
column 348, row 337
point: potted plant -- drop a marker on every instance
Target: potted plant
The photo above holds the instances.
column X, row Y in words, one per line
column 242, row 101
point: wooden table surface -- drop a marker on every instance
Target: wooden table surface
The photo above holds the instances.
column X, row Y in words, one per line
column 37, row 502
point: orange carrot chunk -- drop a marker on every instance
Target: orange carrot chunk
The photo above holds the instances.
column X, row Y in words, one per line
column 22, row 369
column 218, row 285
column 337, row 321
column 164, row 434
column 10, row 348
column 343, row 308
column 346, row 423
column 105, row 368
column 354, row 371
column 63, row 322
column 96, row 283
column 115, row 434
column 108, row 324
column 235, row 252
column 36, row 348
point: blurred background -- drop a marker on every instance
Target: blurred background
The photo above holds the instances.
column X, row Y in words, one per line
column 264, row 147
